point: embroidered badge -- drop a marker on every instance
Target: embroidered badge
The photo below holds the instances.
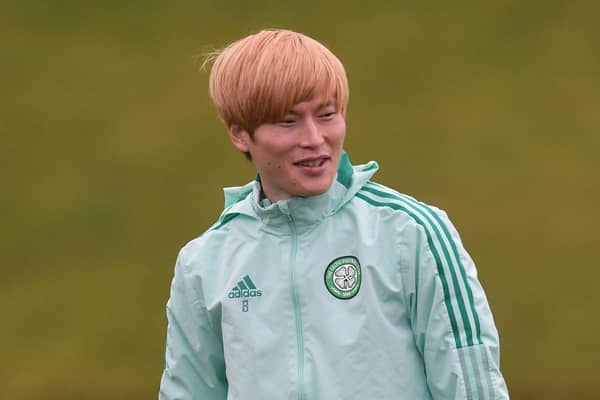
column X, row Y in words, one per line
column 343, row 277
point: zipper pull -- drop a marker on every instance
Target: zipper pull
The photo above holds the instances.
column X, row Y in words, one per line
column 283, row 207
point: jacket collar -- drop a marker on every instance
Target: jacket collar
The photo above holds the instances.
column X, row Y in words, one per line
column 245, row 200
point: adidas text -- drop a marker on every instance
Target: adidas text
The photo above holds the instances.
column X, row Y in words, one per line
column 244, row 293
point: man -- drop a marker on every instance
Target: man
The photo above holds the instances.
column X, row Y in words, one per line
column 316, row 283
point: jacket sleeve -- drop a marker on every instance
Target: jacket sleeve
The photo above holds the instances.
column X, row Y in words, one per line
column 451, row 319
column 194, row 361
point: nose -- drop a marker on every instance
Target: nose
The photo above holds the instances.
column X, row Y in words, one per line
column 312, row 135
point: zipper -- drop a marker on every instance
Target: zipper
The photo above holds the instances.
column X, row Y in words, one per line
column 297, row 314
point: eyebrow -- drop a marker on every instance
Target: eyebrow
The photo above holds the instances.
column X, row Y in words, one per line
column 319, row 107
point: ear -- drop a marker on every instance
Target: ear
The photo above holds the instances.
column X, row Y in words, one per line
column 239, row 137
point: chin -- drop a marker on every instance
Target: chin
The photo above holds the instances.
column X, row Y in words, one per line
column 313, row 193
column 316, row 190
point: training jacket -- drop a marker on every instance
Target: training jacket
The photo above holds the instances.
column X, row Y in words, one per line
column 357, row 293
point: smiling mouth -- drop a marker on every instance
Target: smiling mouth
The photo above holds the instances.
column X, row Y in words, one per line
column 311, row 163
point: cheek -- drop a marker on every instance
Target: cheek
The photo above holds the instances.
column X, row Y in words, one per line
column 277, row 151
column 271, row 157
column 273, row 164
column 338, row 133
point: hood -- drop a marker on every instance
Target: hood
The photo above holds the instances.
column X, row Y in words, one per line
column 245, row 200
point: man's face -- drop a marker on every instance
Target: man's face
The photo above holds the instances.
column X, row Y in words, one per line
column 299, row 155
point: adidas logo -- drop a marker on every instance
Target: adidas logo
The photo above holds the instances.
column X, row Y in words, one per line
column 244, row 288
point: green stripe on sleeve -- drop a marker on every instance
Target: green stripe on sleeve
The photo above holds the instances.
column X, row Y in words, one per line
column 461, row 267
column 424, row 210
column 422, row 206
column 436, row 256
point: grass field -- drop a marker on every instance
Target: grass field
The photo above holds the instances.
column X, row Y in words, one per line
column 113, row 158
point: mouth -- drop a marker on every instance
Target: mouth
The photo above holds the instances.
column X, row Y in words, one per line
column 312, row 162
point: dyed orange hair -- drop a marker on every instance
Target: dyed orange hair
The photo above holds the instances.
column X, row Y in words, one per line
column 260, row 77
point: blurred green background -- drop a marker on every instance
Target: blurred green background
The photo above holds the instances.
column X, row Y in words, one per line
column 113, row 158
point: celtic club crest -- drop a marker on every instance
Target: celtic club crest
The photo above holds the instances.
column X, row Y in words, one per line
column 343, row 277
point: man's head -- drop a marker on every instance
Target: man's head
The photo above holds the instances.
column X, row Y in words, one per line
column 258, row 78
column 283, row 97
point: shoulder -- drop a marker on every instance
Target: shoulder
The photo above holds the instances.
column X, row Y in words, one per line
column 379, row 196
column 427, row 219
column 211, row 245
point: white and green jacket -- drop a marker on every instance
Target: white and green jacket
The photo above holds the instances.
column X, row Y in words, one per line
column 358, row 293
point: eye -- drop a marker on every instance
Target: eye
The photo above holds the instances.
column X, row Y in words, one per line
column 327, row 115
column 287, row 122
